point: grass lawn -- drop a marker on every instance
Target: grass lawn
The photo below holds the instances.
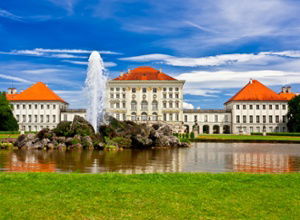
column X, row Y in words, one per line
column 247, row 137
column 149, row 196
column 8, row 136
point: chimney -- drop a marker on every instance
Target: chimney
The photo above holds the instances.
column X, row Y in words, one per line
column 11, row 91
column 289, row 89
column 251, row 81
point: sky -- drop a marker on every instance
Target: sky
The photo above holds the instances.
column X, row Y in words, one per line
column 216, row 46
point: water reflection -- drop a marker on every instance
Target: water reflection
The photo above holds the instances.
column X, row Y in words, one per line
column 202, row 157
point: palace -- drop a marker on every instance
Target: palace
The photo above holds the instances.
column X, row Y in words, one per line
column 147, row 95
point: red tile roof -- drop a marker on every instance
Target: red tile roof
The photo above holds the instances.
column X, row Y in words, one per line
column 256, row 91
column 287, row 96
column 36, row 92
column 144, row 73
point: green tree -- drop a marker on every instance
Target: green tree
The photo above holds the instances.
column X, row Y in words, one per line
column 294, row 115
column 7, row 119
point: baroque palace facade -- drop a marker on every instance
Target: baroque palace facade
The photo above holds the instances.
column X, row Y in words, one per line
column 147, row 95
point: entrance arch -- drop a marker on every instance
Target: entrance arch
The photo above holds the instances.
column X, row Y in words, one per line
column 205, row 129
column 216, row 129
column 187, row 129
column 226, row 129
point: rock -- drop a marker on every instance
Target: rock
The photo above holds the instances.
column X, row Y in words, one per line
column 75, row 146
column 61, row 147
column 68, row 141
column 50, row 146
column 61, row 139
column 81, row 127
column 87, row 142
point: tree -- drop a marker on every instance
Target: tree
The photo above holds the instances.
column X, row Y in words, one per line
column 7, row 119
column 294, row 115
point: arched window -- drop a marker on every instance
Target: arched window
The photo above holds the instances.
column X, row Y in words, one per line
column 154, row 105
column 144, row 105
column 133, row 116
column 144, row 116
column 133, row 105
column 154, row 116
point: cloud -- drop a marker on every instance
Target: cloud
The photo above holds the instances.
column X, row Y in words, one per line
column 223, row 59
column 106, row 64
column 41, row 71
column 187, row 105
column 13, row 78
column 9, row 15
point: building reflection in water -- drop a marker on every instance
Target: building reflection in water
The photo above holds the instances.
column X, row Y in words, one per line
column 201, row 157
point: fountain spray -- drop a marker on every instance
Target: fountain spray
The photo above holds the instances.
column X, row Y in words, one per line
column 95, row 86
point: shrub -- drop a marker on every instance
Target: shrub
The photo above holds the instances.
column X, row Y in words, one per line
column 122, row 142
column 63, row 129
column 192, row 135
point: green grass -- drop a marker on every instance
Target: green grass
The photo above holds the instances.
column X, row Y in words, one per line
column 8, row 136
column 247, row 137
column 149, row 196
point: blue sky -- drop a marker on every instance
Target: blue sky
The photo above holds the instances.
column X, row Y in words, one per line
column 216, row 46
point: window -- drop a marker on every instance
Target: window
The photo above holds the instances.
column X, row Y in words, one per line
column 237, row 106
column 165, row 89
column 237, row 119
column 133, row 116
column 24, row 118
column 112, row 89
column 54, row 118
column 195, row 118
column 165, row 117
column 144, row 90
column 171, row 104
column 177, row 104
column 117, row 105
column 29, row 118
column 177, row 96
column 18, row 106
column 277, row 118
column 251, row 129
column 185, row 118
column 123, row 89
column 244, row 119
column 133, row 90
column 165, row 96
column 170, row 117
column 257, row 107
column 251, row 119
column 144, row 105
column 24, row 106
column 264, row 119
column 284, row 119
column 118, row 89
column 177, row 117
column 154, row 105
column 165, row 105
column 270, row 119
column 226, row 118
column 42, row 106
column 124, row 95
column 48, row 106
column 144, row 116
column 124, row 117
column 118, row 116
column 154, row 116
column 205, row 118
column 170, row 89
column 270, row 106
column 42, row 118
column 124, row 105
column 171, row 96
column 244, row 107
column 176, row 89
column 48, row 118
column 257, row 119
column 133, row 105
column 54, row 106
column 284, row 107
column 277, row 107
column 283, row 129
column 258, row 129
column 264, row 107
column 251, row 107
column 117, row 95
column 216, row 118
column 29, row 106
column 154, row 90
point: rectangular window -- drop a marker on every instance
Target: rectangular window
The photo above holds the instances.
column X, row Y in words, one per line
column 42, row 118
column 118, row 96
column 226, row 118
column 185, row 118
column 24, row 106
column 237, row 119
column 176, row 95
column 165, row 96
column 277, row 107
column 165, row 117
column 244, row 107
column 133, row 90
column 42, row 106
column 171, row 96
column 48, row 106
column 124, row 105
column 29, row 106
column 171, row 117
column 18, row 106
column 165, row 105
column 35, row 118
column 244, row 119
column 195, row 118
column 205, row 118
column 144, row 90
column 36, row 106
column 277, row 119
column 251, row 118
column 264, row 119
column 251, row 107
column 237, row 106
column 29, row 118
column 154, row 90
column 264, row 107
column 48, row 118
column 124, row 95
column 54, row 106
column 284, row 107
column 117, row 89
column 216, row 118
column 270, row 106
column 177, row 117
column 257, row 107
column 270, row 119
column 24, row 118
column 284, row 119
column 257, row 119
column 54, row 118
column 170, row 89
column 176, row 89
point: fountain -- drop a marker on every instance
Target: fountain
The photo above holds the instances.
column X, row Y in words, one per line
column 95, row 87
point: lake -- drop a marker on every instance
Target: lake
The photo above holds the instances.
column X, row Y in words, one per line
column 201, row 157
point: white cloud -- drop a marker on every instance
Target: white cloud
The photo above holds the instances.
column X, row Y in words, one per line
column 14, row 78
column 41, row 71
column 9, row 15
column 223, row 59
column 187, row 105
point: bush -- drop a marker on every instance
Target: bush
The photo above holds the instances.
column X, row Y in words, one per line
column 257, row 133
column 63, row 129
column 9, row 132
column 283, row 134
column 192, row 135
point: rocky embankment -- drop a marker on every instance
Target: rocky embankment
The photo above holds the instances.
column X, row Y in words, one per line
column 79, row 134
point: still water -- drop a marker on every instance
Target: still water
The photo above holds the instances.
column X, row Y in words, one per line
column 201, row 157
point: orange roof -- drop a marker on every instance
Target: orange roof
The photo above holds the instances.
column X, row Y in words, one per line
column 144, row 73
column 36, row 92
column 287, row 96
column 256, row 91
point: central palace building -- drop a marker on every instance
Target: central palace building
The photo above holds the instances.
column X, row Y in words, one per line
column 147, row 95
